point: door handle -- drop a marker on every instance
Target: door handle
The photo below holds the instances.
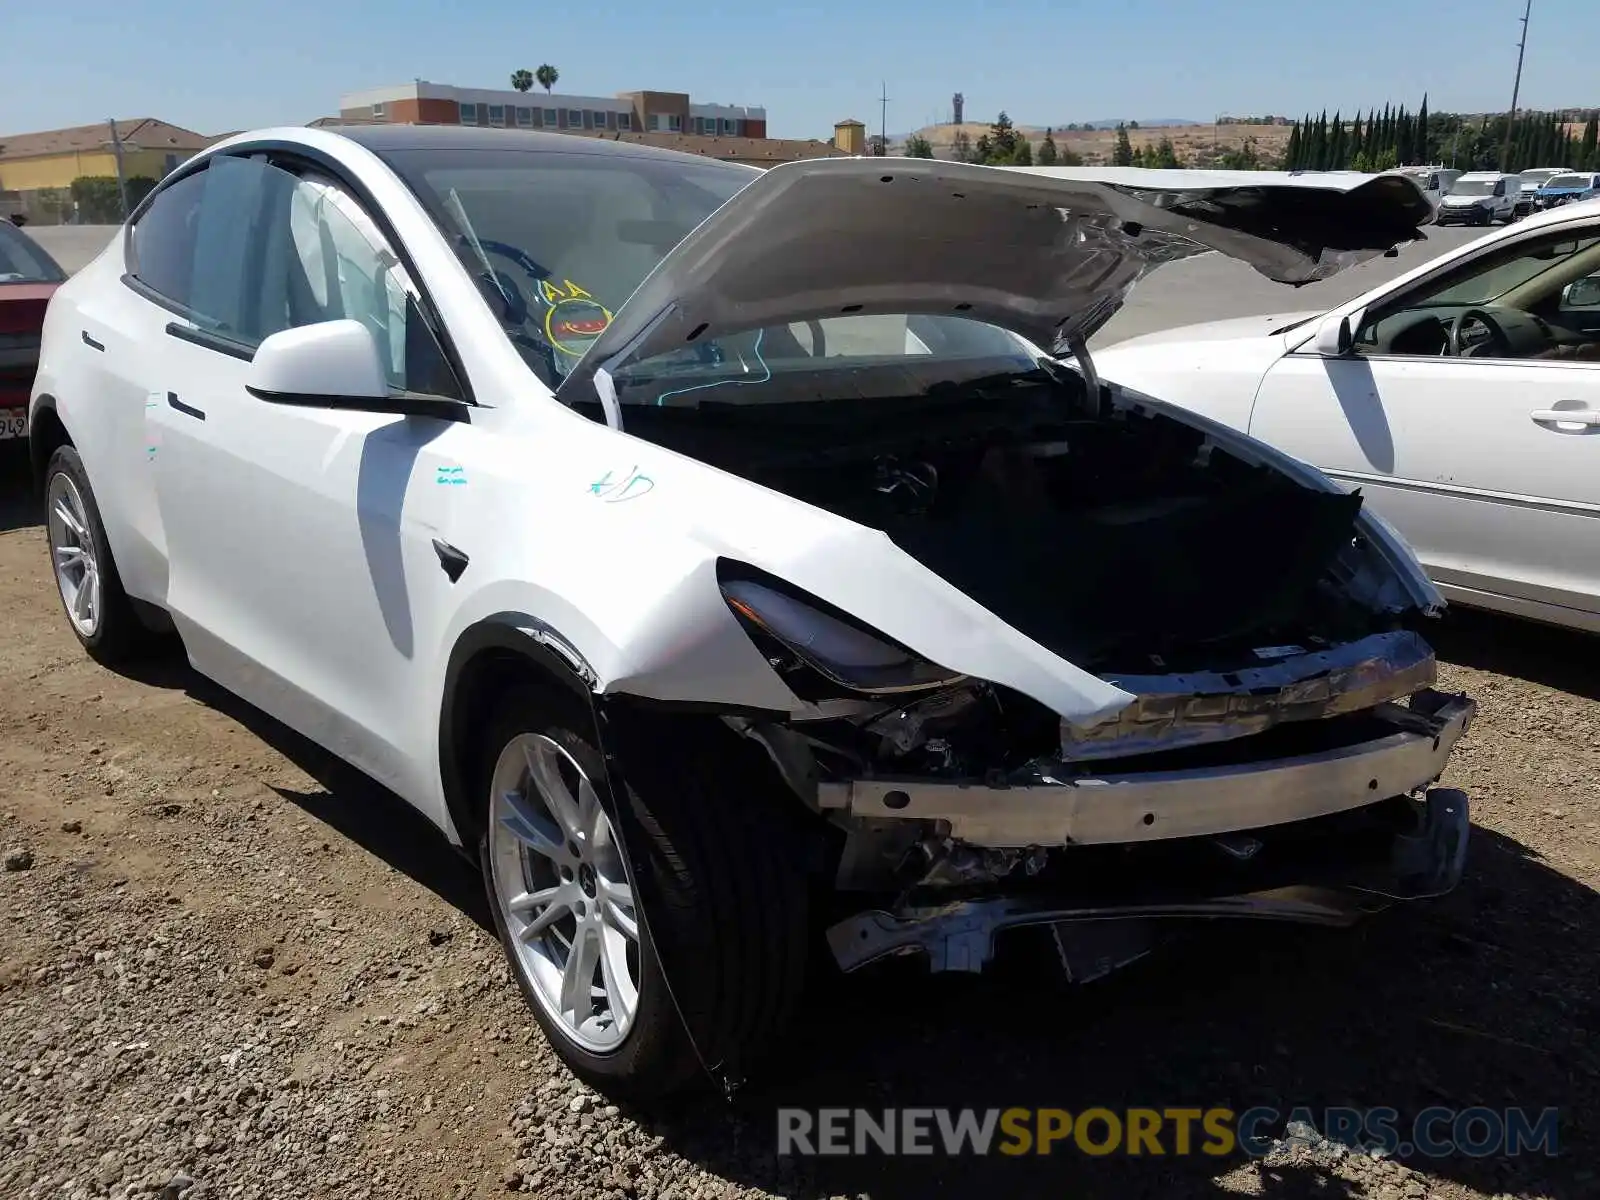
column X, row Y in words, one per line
column 91, row 343
column 1566, row 416
column 187, row 410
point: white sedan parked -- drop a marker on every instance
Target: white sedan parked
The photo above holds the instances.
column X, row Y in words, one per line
column 712, row 556
column 1462, row 400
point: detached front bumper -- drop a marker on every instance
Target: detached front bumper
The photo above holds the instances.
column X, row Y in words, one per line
column 1323, row 838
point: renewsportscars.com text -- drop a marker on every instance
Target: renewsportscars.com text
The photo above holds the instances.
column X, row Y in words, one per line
column 1216, row 1132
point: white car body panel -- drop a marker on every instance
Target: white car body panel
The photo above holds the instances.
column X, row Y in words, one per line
column 1502, row 509
column 294, row 547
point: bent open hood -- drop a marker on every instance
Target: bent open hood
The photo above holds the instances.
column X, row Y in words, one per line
column 1049, row 253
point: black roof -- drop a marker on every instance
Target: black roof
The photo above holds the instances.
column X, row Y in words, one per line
column 386, row 139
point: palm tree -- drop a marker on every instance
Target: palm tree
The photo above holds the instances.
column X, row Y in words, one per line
column 522, row 80
column 547, row 76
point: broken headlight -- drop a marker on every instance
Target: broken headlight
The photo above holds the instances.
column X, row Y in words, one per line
column 802, row 636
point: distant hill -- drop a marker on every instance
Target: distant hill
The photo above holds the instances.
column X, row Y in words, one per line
column 1168, row 122
column 1195, row 141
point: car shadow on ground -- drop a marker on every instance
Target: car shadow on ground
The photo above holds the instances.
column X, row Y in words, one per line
column 346, row 800
column 20, row 505
column 1483, row 999
column 1544, row 654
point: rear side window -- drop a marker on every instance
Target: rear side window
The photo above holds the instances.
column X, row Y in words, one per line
column 164, row 239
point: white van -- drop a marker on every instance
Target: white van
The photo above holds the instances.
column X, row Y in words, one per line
column 1434, row 181
column 1480, row 197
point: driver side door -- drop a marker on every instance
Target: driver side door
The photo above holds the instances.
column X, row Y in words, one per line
column 1488, row 464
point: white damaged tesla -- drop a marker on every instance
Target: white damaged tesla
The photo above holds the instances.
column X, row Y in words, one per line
column 722, row 556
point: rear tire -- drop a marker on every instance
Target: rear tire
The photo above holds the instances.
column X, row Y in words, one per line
column 98, row 610
column 735, row 901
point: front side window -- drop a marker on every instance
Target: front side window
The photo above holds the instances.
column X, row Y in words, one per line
column 162, row 241
column 248, row 249
column 1509, row 303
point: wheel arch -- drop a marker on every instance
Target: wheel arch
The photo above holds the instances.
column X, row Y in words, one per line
column 496, row 652
column 47, row 433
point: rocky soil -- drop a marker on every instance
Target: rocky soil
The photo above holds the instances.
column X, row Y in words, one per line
column 231, row 967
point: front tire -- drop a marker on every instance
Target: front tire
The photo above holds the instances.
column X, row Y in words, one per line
column 561, row 886
column 97, row 608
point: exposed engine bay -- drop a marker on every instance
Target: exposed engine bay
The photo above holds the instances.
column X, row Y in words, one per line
column 1120, row 539
column 1277, row 675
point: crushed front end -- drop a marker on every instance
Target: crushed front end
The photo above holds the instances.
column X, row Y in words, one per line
column 1302, row 790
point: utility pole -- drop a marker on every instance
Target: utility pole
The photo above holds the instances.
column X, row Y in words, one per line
column 883, row 117
column 122, row 181
column 1516, row 87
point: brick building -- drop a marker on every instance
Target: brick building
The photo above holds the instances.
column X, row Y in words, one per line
column 424, row 103
column 731, row 132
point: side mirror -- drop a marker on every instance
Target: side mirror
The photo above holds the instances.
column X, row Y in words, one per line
column 1582, row 293
column 1333, row 338
column 335, row 364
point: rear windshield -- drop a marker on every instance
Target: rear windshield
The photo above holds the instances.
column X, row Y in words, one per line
column 558, row 240
column 22, row 260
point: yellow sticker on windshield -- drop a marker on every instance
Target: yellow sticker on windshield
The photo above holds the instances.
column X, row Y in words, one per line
column 573, row 319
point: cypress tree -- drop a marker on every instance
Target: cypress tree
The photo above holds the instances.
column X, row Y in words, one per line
column 1424, row 141
column 1589, row 148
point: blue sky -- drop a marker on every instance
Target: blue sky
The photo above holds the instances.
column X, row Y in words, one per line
column 232, row 64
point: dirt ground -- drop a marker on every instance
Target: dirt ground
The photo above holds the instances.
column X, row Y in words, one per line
column 230, row 966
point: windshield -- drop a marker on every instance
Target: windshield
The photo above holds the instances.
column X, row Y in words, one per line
column 1473, row 187
column 559, row 240
column 22, row 260
column 1571, row 182
column 1535, row 178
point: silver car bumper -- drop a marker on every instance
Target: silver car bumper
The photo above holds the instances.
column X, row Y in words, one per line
column 1110, row 808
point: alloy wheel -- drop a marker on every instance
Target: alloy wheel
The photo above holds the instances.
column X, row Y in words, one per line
column 563, row 891
column 72, row 553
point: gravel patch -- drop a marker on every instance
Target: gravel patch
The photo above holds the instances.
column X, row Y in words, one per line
column 231, row 967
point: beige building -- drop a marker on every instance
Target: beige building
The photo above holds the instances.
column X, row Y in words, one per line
column 31, row 163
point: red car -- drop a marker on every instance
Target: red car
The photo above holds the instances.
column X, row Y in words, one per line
column 28, row 278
